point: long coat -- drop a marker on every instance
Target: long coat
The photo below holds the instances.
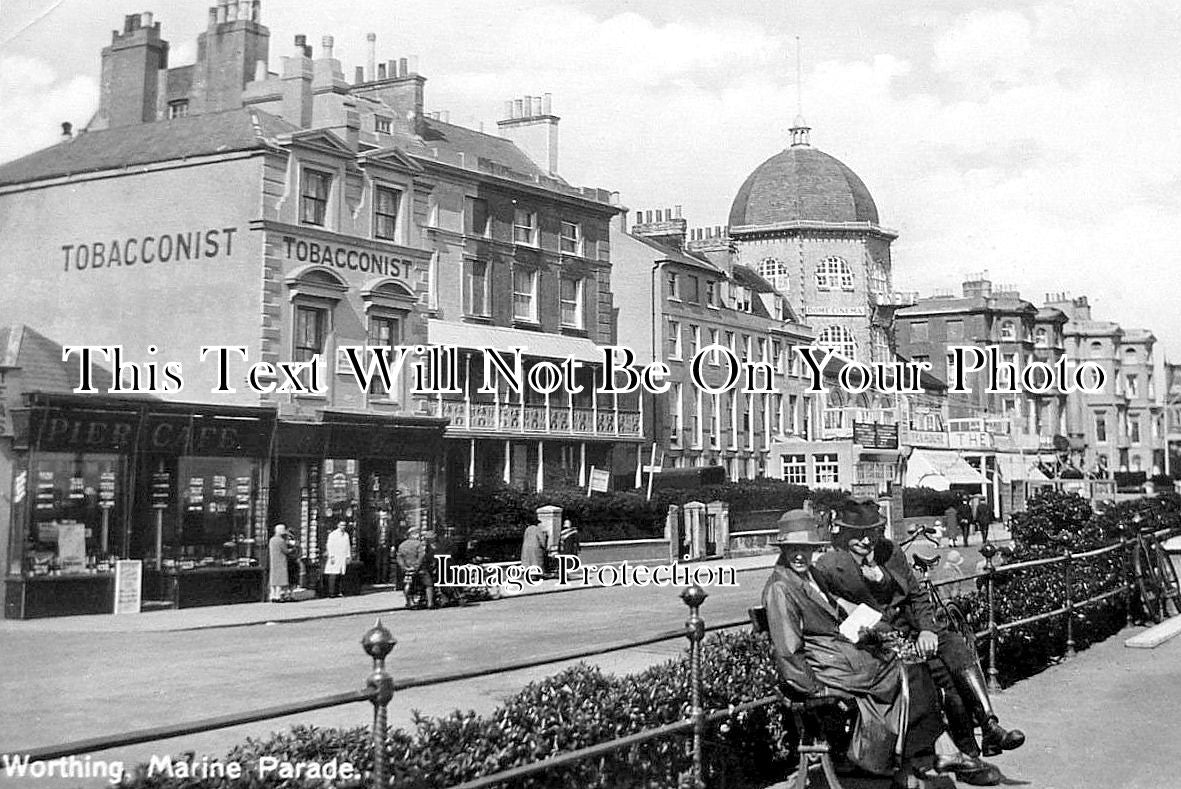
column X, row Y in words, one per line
column 811, row 654
column 909, row 610
column 951, row 522
column 277, row 550
column 337, row 552
column 533, row 546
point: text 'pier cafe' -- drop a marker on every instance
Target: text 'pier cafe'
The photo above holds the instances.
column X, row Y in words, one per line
column 192, row 491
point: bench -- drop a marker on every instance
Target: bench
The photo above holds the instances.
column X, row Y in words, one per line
column 813, row 746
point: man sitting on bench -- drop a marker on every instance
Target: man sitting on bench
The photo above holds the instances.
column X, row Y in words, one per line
column 898, row 718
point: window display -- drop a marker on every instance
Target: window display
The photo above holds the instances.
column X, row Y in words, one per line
column 76, row 504
column 215, row 526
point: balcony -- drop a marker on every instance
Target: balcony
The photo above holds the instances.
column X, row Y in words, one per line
column 519, row 419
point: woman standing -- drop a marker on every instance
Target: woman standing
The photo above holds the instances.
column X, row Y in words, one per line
column 277, row 550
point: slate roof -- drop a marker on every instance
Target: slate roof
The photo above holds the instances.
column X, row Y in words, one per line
column 146, row 143
column 676, row 255
column 802, row 184
column 39, row 361
column 450, row 140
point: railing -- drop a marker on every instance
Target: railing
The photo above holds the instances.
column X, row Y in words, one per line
column 566, row 420
column 380, row 686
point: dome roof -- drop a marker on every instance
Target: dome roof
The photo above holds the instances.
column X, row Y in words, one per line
column 802, row 184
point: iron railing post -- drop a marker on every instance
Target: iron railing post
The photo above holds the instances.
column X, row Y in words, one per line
column 988, row 550
column 378, row 642
column 693, row 596
column 1125, row 577
column 1067, row 572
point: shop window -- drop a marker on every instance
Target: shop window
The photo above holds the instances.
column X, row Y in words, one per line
column 524, row 227
column 478, row 289
column 385, row 213
column 76, row 503
column 313, row 196
column 571, row 298
column 828, row 469
column 525, row 295
column 795, row 469
column 570, row 242
column 216, row 523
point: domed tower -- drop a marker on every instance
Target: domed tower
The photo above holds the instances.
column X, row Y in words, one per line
column 809, row 225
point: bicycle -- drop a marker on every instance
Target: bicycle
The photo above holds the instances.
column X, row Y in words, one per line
column 947, row 614
column 1156, row 578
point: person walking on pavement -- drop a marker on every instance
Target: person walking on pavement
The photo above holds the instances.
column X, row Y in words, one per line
column 951, row 524
column 568, row 539
column 413, row 555
column 534, row 546
column 337, row 554
column 279, row 579
column 868, row 568
column 964, row 513
column 982, row 515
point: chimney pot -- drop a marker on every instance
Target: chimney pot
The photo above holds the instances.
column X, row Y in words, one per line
column 678, row 209
column 404, row 67
column 649, row 217
column 371, row 70
column 547, row 106
column 381, row 71
column 537, row 105
column 359, row 75
column 221, row 11
column 327, row 43
column 528, row 106
column 301, row 41
column 232, row 11
column 508, row 109
column 67, row 129
column 391, row 68
column 260, row 70
column 518, row 108
column 146, row 19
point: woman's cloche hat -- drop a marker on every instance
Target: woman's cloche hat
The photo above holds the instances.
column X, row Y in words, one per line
column 798, row 527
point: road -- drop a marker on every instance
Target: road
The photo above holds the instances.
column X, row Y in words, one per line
column 62, row 686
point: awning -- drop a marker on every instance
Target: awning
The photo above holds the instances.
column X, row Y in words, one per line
column 532, row 343
column 1015, row 467
column 940, row 470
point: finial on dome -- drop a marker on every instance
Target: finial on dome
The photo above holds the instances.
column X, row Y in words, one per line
column 799, row 132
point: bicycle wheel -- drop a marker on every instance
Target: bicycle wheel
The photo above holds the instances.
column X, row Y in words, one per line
column 1148, row 583
column 1170, row 586
column 958, row 623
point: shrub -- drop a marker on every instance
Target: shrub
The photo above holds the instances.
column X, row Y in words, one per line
column 575, row 708
column 745, row 495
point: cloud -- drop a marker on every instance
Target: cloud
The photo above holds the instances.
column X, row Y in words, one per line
column 36, row 102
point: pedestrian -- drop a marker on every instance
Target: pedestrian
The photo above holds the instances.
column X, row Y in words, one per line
column 964, row 517
column 982, row 515
column 412, row 557
column 278, row 548
column 951, row 524
column 336, row 557
column 568, row 543
column 534, row 545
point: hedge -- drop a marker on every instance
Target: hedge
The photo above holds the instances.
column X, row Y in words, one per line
column 1052, row 522
column 926, row 502
column 575, row 708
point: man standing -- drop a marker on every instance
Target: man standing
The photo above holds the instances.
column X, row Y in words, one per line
column 867, row 568
column 413, row 558
column 982, row 515
column 337, row 554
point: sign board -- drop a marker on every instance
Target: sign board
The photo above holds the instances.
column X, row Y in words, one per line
column 71, row 547
column 600, row 478
column 129, row 578
column 161, row 489
column 875, row 435
column 864, row 490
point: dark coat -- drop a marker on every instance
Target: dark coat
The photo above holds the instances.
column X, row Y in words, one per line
column 910, row 610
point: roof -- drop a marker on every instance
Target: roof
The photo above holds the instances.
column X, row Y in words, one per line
column 39, row 362
column 798, row 184
column 677, row 255
column 447, row 138
column 929, row 468
column 146, row 143
column 531, row 343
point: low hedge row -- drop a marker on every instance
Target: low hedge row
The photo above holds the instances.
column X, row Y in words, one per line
column 579, row 707
column 926, row 502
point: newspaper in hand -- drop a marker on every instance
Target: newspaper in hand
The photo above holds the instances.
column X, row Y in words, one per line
column 862, row 617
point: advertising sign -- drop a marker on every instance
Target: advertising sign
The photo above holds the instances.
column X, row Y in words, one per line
column 129, row 575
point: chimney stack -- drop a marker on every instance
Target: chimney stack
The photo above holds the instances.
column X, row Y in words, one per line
column 327, row 43
column 530, row 124
column 67, row 129
column 371, row 72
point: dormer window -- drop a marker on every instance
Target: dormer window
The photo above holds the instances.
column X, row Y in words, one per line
column 313, row 196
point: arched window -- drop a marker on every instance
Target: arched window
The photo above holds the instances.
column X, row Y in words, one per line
column 839, row 339
column 833, row 273
column 775, row 271
column 1129, row 355
column 1096, row 349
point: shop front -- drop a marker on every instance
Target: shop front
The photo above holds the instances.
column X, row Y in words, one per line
column 179, row 489
column 377, row 474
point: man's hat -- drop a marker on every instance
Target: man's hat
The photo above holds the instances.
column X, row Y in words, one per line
column 860, row 514
column 797, row 527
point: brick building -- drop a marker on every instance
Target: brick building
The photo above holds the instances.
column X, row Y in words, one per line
column 292, row 214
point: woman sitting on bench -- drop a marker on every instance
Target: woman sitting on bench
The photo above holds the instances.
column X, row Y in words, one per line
column 898, row 718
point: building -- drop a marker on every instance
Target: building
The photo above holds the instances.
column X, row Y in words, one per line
column 694, row 303
column 312, row 225
column 807, row 224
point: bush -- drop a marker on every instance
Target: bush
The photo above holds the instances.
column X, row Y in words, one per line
column 745, row 495
column 578, row 707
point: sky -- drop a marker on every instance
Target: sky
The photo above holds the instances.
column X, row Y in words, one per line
column 1034, row 141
